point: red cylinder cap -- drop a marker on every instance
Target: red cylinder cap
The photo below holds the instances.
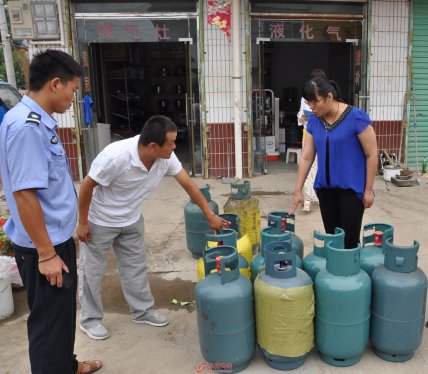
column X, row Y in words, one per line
column 283, row 224
column 217, row 259
column 378, row 238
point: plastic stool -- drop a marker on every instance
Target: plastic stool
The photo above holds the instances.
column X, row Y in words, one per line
column 296, row 151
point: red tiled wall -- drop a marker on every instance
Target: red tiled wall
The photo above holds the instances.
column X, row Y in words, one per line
column 69, row 142
column 219, row 137
column 388, row 135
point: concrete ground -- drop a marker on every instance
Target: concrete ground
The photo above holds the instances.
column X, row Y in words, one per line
column 139, row 349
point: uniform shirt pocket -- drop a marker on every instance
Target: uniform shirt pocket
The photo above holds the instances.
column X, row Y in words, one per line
column 58, row 163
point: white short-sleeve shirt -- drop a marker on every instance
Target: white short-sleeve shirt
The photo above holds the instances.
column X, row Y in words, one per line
column 124, row 182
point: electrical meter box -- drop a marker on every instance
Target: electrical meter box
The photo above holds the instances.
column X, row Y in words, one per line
column 34, row 19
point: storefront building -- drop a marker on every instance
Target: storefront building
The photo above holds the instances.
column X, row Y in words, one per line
column 176, row 59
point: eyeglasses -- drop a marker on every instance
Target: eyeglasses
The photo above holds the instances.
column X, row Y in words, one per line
column 313, row 102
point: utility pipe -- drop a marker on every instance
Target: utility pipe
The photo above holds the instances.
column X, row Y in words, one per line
column 7, row 50
column 237, row 85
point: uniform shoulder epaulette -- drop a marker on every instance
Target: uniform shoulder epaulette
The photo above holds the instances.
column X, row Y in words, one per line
column 34, row 118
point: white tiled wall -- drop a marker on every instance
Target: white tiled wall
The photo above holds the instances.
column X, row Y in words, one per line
column 219, row 72
column 389, row 51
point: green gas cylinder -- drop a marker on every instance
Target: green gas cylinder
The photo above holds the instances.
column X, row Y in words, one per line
column 247, row 208
column 398, row 305
column 342, row 316
column 225, row 312
column 284, row 300
column 315, row 261
column 268, row 235
column 374, row 237
column 287, row 222
column 197, row 225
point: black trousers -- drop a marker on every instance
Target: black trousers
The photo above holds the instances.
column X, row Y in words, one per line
column 342, row 208
column 51, row 325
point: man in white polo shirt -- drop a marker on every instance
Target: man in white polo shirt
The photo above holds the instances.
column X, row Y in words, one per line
column 120, row 178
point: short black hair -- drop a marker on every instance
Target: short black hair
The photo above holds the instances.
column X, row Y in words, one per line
column 318, row 73
column 322, row 87
column 50, row 64
column 155, row 130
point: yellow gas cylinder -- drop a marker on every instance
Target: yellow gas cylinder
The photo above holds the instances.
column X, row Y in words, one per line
column 228, row 237
column 247, row 207
column 200, row 268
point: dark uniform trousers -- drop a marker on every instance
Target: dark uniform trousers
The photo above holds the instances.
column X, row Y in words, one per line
column 52, row 322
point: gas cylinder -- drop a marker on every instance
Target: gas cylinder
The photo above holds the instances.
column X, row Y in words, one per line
column 315, row 261
column 288, row 223
column 398, row 306
column 225, row 314
column 225, row 236
column 244, row 243
column 342, row 316
column 284, row 301
column 197, row 225
column 372, row 253
column 268, row 235
column 235, row 222
column 247, row 207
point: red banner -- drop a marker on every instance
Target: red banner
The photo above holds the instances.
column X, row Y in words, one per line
column 219, row 15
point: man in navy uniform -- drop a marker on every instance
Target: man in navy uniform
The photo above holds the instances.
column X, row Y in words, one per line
column 43, row 205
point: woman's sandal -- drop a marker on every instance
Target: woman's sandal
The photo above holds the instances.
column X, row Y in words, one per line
column 94, row 365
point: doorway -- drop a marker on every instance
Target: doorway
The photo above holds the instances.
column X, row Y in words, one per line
column 280, row 68
column 134, row 81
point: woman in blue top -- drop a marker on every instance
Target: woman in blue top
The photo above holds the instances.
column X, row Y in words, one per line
column 344, row 141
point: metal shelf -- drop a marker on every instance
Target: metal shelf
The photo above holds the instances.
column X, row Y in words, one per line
column 119, row 115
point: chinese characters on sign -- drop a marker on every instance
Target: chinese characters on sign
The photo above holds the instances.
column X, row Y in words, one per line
column 334, row 30
column 219, row 15
column 105, row 30
column 277, row 30
column 109, row 31
column 131, row 29
column 306, row 32
column 161, row 32
column 312, row 31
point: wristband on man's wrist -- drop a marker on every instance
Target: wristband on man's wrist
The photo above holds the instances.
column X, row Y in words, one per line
column 48, row 259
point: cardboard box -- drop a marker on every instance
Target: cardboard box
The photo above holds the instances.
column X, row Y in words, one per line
column 270, row 144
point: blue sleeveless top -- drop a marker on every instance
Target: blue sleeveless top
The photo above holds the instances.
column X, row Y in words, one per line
column 341, row 159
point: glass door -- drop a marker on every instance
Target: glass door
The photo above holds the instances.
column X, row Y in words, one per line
column 193, row 115
column 259, row 114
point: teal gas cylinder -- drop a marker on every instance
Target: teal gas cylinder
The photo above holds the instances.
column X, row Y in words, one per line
column 284, row 301
column 287, row 222
column 228, row 236
column 268, row 235
column 342, row 316
column 197, row 225
column 225, row 312
column 398, row 305
column 372, row 253
column 315, row 261
column 234, row 222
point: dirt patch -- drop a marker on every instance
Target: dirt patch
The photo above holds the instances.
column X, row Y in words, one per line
column 114, row 301
column 163, row 291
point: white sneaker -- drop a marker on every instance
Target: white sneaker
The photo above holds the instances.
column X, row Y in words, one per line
column 98, row 332
column 152, row 318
